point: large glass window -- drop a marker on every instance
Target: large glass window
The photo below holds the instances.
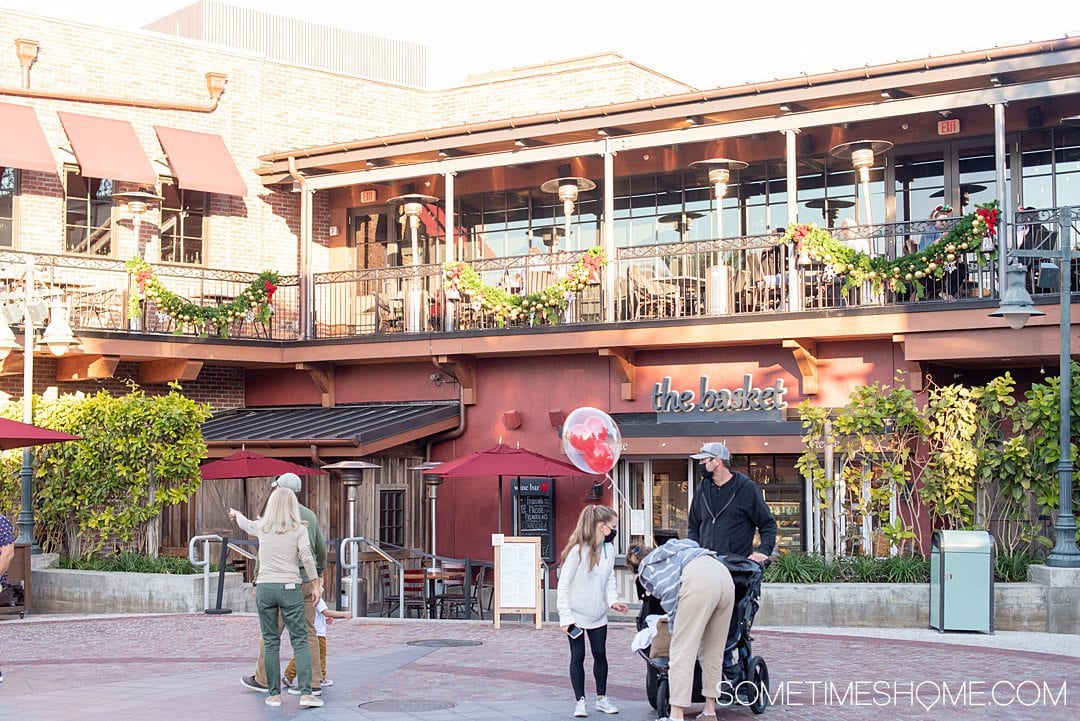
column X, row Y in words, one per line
column 9, row 188
column 1051, row 167
column 783, row 488
column 183, row 223
column 88, row 222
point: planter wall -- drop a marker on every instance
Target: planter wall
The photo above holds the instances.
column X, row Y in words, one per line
column 68, row 591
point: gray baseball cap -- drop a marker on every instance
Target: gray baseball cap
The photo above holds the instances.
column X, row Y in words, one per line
column 713, row 450
column 288, row 480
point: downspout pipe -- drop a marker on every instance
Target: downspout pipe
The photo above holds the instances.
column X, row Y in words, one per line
column 306, row 279
column 453, row 433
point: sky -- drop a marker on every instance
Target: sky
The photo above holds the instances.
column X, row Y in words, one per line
column 705, row 43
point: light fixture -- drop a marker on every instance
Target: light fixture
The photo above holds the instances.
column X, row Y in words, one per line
column 7, row 340
column 215, row 84
column 1072, row 120
column 792, row 108
column 568, row 190
column 58, row 336
column 861, row 154
column 529, row 143
column 995, row 80
column 611, row 132
column 1016, row 305
column 894, row 93
column 695, row 120
column 451, row 153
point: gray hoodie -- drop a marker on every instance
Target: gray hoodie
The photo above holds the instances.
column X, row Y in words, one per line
column 660, row 572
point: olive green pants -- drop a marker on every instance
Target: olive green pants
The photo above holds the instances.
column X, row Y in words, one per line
column 309, row 619
column 283, row 601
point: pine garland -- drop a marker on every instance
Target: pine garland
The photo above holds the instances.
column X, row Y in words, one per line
column 256, row 302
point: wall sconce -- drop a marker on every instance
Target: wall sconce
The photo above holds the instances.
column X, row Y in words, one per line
column 556, row 418
column 27, row 52
column 215, row 84
column 596, row 491
column 511, row 420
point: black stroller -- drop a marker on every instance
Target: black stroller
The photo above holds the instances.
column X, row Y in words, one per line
column 747, row 681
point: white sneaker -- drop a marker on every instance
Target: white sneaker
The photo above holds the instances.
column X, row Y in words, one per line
column 286, row 683
column 273, row 701
column 310, row 701
column 295, row 691
column 604, row 705
column 328, row 682
column 580, row 711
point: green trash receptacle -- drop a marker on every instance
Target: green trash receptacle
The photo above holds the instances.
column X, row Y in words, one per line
column 962, row 581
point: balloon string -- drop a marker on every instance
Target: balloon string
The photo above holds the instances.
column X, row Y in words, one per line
column 618, row 493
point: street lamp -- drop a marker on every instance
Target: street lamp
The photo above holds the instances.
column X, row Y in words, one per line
column 58, row 338
column 1016, row 307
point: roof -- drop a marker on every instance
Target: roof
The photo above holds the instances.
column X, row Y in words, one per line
column 370, row 427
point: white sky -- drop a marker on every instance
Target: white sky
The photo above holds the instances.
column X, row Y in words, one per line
column 706, row 43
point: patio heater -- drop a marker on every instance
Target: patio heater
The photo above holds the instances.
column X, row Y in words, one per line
column 433, row 482
column 719, row 170
column 352, row 477
column 138, row 202
column 568, row 190
column 861, row 154
column 412, row 204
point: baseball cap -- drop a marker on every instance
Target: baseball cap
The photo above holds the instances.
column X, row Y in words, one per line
column 713, row 450
column 288, row 480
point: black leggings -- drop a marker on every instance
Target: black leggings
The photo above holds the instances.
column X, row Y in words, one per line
column 598, row 643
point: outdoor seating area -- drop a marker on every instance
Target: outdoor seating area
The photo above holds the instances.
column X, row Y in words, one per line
column 452, row 588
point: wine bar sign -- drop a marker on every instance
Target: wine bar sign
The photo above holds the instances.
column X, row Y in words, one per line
column 706, row 404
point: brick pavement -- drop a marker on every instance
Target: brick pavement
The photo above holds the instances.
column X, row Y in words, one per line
column 187, row 668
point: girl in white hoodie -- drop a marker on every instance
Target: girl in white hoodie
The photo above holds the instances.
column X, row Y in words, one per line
column 586, row 592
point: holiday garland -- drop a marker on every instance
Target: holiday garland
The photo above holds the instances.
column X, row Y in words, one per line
column 905, row 273
column 256, row 302
column 546, row 304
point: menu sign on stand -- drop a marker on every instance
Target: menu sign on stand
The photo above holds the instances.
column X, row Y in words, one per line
column 517, row 576
column 534, row 513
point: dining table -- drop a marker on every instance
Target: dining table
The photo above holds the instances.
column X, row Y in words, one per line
column 435, row 574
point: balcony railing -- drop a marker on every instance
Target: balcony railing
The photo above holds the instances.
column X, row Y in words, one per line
column 745, row 276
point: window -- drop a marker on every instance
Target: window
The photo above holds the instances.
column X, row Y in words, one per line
column 88, row 228
column 9, row 188
column 392, row 516
column 183, row 216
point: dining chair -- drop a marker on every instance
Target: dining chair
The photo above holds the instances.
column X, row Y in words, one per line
column 415, row 590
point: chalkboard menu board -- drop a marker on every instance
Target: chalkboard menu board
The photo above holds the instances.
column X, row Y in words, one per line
column 534, row 513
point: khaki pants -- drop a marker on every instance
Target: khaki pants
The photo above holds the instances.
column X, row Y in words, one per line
column 290, row 670
column 702, row 616
column 312, row 639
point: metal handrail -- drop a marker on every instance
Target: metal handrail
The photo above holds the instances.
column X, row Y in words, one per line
column 354, row 571
column 204, row 563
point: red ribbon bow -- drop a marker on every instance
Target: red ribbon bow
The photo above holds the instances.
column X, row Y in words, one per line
column 270, row 289
column 592, row 265
column 142, row 278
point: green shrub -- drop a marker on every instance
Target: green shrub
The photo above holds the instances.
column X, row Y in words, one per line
column 134, row 563
column 861, row 569
column 800, row 568
column 905, row 569
column 1010, row 567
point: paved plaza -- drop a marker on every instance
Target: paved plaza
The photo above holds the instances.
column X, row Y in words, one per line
column 188, row 668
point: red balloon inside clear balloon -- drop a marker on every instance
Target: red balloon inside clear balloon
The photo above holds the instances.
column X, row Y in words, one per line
column 591, row 440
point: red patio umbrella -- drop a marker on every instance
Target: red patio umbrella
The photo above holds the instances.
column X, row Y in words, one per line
column 19, row 435
column 502, row 460
column 245, row 464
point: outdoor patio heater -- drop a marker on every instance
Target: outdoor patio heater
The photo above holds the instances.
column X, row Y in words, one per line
column 352, row 476
column 568, row 190
column 138, row 202
column 719, row 170
column 861, row 154
column 433, row 483
column 412, row 204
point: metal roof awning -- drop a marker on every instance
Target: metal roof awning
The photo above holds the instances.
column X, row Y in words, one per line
column 643, row 435
column 363, row 429
column 22, row 142
column 201, row 161
column 107, row 148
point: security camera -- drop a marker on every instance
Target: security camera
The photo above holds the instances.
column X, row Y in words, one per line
column 435, row 376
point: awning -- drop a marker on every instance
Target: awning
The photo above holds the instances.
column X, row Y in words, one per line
column 22, row 142
column 642, row 435
column 107, row 148
column 369, row 428
column 201, row 161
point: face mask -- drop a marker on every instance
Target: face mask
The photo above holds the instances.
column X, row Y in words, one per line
column 704, row 473
column 610, row 537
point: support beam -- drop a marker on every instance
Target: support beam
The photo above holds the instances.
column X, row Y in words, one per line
column 322, row 375
column 805, row 352
column 914, row 376
column 12, row 365
column 622, row 362
column 168, row 370
column 85, row 367
column 463, row 369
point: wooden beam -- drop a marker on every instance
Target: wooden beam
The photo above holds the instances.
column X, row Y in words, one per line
column 168, row 370
column 914, row 376
column 84, row 367
column 322, row 375
column 463, row 369
column 12, row 365
column 622, row 362
column 805, row 352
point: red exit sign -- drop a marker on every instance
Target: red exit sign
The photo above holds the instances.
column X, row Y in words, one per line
column 369, row 196
column 948, row 127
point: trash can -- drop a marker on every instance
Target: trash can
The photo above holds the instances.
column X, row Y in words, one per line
column 962, row 581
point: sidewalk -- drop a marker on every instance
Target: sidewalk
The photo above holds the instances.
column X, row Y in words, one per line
column 188, row 668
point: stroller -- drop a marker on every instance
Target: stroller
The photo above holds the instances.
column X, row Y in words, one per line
column 746, row 681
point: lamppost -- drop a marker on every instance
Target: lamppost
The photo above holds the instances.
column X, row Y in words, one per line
column 1016, row 307
column 58, row 338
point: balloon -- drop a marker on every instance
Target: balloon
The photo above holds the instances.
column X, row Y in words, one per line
column 591, row 440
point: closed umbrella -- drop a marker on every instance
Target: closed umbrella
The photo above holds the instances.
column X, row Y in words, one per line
column 502, row 460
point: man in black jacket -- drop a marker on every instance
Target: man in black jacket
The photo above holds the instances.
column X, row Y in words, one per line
column 728, row 508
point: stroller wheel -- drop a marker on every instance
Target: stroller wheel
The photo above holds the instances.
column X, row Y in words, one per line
column 651, row 682
column 759, row 678
column 663, row 702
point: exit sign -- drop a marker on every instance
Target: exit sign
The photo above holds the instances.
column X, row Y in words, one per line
column 948, row 127
column 369, row 196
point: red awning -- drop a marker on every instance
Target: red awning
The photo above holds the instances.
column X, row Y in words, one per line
column 22, row 142
column 107, row 148
column 201, row 161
